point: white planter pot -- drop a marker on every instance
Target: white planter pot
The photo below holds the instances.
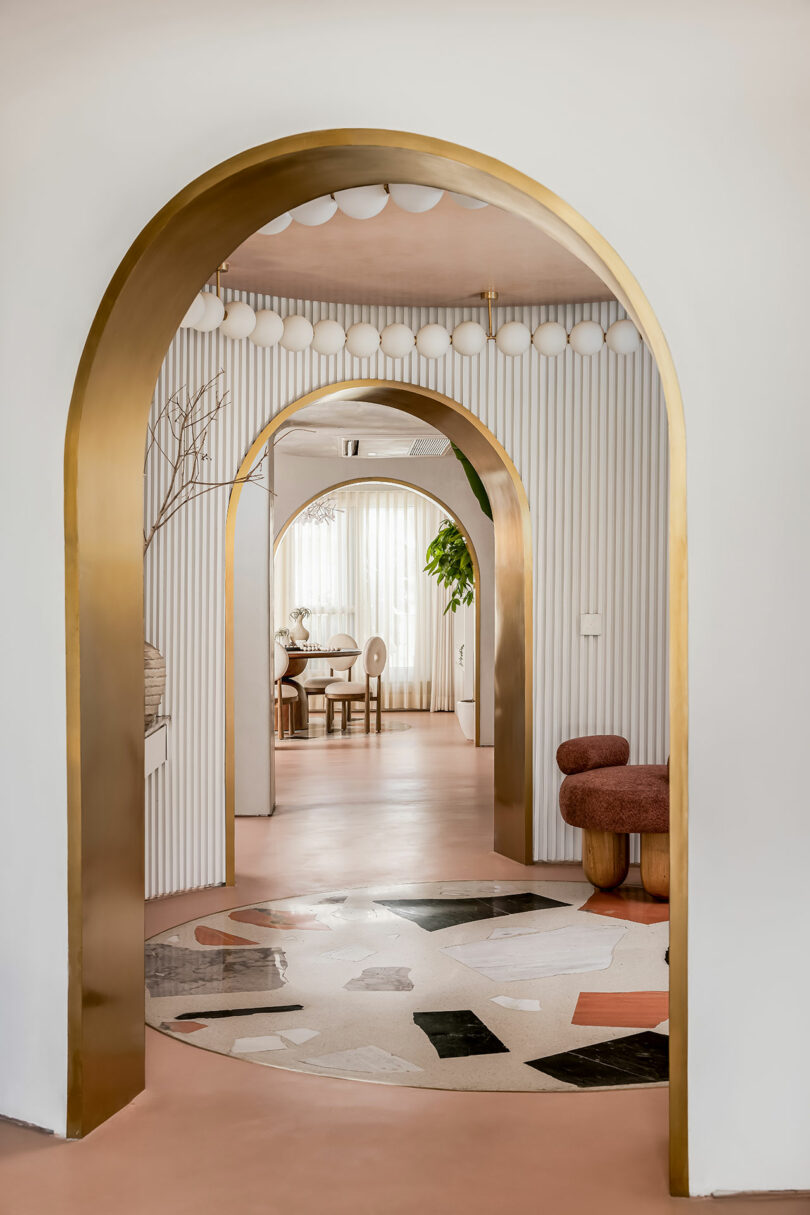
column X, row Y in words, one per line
column 298, row 632
column 465, row 712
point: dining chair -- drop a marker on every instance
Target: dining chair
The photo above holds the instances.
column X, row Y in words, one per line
column 283, row 693
column 346, row 691
column 317, row 684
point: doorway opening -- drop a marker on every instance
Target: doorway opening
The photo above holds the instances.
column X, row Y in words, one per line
column 103, row 558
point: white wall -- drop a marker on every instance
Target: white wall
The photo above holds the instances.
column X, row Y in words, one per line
column 680, row 133
column 588, row 437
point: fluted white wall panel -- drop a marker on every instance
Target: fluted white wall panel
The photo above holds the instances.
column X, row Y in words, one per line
column 588, row 437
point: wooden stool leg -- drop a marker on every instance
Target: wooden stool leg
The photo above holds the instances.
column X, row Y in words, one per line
column 605, row 858
column 655, row 863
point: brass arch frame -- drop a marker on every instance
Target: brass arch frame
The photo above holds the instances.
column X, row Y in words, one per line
column 230, row 697
column 470, row 547
column 135, row 322
column 514, row 701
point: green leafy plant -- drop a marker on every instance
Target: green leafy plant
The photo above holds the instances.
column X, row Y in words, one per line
column 476, row 484
column 449, row 561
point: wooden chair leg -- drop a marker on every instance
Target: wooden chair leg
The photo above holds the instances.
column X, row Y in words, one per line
column 344, row 714
column 655, row 863
column 367, row 707
column 605, row 858
column 330, row 709
column 379, row 703
column 280, row 703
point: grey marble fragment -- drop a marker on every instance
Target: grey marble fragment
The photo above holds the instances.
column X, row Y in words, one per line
column 177, row 971
column 382, row 978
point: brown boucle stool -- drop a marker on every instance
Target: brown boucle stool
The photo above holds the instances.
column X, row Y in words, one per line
column 609, row 799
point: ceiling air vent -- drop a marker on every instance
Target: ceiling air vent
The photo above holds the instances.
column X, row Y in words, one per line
column 429, row 445
column 350, row 447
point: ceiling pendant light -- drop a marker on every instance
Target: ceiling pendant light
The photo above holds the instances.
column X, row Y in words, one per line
column 362, row 340
column 268, row 328
column 279, row 224
column 240, row 320
column 415, row 199
column 465, row 201
column 513, row 338
column 361, row 202
column 328, row 337
column 622, row 337
column 297, row 333
column 550, row 338
column 213, row 314
column 433, row 341
column 195, row 313
column 469, row 338
column 587, row 338
column 397, row 341
column 318, row 211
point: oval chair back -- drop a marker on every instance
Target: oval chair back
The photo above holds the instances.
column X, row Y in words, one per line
column 281, row 661
column 374, row 656
column 342, row 641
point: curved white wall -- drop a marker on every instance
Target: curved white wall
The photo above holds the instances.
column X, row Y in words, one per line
column 588, row 437
column 680, row 134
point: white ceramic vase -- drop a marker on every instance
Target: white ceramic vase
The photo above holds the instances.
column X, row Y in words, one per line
column 465, row 712
column 298, row 632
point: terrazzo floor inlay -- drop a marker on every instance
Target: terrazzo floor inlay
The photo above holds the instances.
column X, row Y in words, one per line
column 456, row 985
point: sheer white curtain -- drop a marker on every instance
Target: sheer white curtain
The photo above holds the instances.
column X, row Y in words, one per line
column 363, row 575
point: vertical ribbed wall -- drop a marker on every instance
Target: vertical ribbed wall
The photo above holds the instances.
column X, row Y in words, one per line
column 588, row 437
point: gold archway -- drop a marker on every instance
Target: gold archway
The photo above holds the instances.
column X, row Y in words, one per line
column 136, row 320
column 514, row 831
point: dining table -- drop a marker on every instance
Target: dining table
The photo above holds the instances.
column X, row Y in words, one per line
column 299, row 656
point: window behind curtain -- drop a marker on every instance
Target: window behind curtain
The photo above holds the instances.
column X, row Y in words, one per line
column 363, row 574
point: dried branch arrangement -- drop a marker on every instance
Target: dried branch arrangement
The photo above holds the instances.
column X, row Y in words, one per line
column 180, row 433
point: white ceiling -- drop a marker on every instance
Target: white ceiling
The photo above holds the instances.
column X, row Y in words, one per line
column 319, row 430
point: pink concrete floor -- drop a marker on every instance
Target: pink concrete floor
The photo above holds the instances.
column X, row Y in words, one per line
column 212, row 1134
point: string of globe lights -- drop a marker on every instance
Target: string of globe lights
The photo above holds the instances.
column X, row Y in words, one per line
column 295, row 333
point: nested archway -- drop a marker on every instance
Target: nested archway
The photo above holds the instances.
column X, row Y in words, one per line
column 513, row 803
column 135, row 322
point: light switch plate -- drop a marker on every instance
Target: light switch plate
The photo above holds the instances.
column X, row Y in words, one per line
column 590, row 625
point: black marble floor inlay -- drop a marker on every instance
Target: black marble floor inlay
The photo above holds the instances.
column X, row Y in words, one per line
column 637, row 1059
column 432, row 914
column 172, row 970
column 236, row 1012
column 459, row 1033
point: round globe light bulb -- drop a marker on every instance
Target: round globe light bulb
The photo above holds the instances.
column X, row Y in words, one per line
column 550, row 338
column 464, row 200
column 469, row 338
column 362, row 202
column 279, row 224
column 415, row 199
column 316, row 212
column 240, row 320
column 587, row 337
column 297, row 333
column 397, row 341
column 268, row 329
column 623, row 338
column 194, row 314
column 214, row 312
column 513, row 338
column 433, row 341
column 328, row 337
column 362, row 340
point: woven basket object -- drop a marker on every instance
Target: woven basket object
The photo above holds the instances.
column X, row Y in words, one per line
column 154, row 678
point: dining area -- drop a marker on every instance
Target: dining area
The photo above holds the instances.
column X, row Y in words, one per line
column 294, row 689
